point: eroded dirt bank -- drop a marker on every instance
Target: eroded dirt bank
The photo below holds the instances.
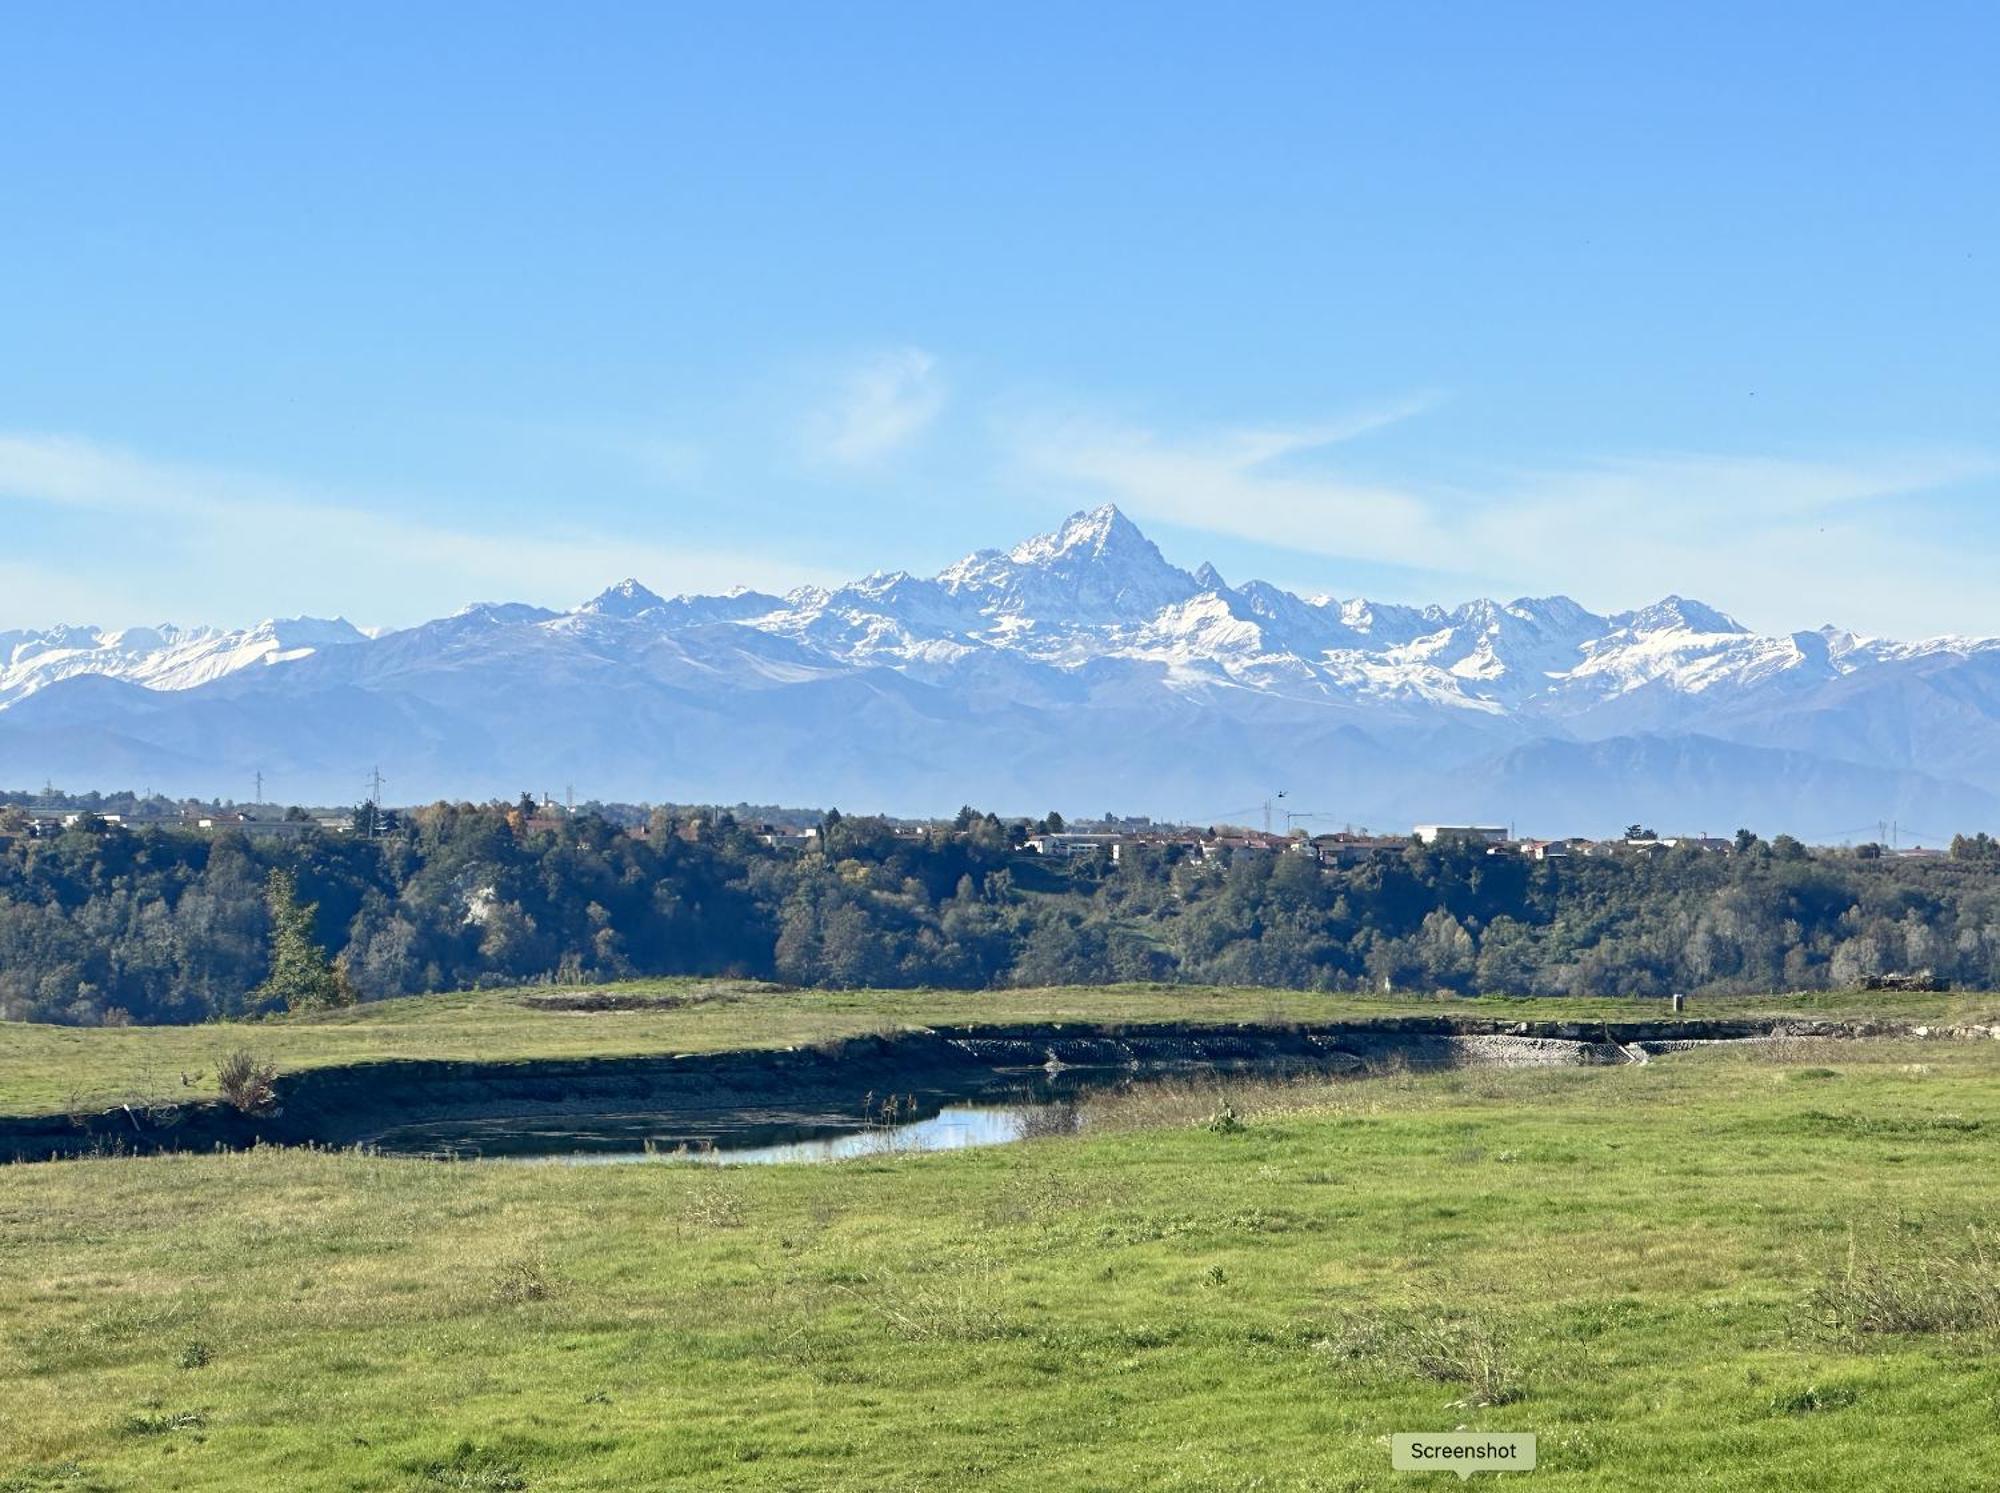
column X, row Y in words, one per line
column 350, row 1105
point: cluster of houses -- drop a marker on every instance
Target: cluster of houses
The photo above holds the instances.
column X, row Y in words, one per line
column 1115, row 839
column 780, row 837
column 259, row 823
column 1350, row 848
column 1110, row 838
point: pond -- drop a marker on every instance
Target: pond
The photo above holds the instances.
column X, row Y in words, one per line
column 724, row 1139
column 948, row 1108
column 1007, row 1107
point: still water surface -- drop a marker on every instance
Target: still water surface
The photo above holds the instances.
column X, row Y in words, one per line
column 722, row 1139
column 1021, row 1103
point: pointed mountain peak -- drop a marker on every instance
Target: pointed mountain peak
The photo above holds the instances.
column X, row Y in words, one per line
column 1101, row 533
column 626, row 599
column 1678, row 614
column 1209, row 578
column 1095, row 567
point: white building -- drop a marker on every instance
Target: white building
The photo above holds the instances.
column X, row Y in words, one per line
column 1481, row 834
column 1071, row 844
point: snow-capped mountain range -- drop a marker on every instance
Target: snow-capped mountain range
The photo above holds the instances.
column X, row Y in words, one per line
column 163, row 657
column 1079, row 670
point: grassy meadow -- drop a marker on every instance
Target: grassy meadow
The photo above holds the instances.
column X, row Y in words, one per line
column 1766, row 1269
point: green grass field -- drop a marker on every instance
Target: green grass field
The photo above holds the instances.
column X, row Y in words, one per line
column 1726, row 1269
column 46, row 1069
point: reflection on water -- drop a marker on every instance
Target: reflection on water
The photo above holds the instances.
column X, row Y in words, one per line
column 726, row 1139
column 1008, row 1105
column 950, row 1129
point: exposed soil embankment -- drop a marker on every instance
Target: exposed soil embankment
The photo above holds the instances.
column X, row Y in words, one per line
column 352, row 1104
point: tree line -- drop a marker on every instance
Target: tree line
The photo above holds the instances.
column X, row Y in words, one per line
column 105, row 924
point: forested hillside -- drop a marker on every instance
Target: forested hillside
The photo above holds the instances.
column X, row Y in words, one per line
column 105, row 924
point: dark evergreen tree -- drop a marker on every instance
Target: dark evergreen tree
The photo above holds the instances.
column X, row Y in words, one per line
column 302, row 978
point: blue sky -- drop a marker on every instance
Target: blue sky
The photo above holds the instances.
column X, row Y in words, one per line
column 383, row 309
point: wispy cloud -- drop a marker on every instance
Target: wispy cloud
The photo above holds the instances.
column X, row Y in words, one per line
column 877, row 408
column 251, row 544
column 1259, row 445
column 1243, row 482
column 1784, row 540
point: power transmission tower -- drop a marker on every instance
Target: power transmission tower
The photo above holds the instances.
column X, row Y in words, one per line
column 374, row 801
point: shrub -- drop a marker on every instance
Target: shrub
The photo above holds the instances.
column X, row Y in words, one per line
column 1466, row 1352
column 248, row 1083
column 1041, row 1121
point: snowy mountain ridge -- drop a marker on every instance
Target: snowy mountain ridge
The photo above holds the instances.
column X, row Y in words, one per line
column 165, row 657
column 1078, row 661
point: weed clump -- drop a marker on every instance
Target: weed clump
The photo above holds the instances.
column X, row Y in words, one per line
column 1463, row 1351
column 162, row 1422
column 1813, row 1398
column 471, row 1466
column 520, row 1282
column 961, row 1306
column 39, row 1476
column 248, row 1083
column 711, row 1204
column 1950, row 1288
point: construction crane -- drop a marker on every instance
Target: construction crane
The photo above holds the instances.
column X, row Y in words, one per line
column 1231, row 816
column 1267, row 812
